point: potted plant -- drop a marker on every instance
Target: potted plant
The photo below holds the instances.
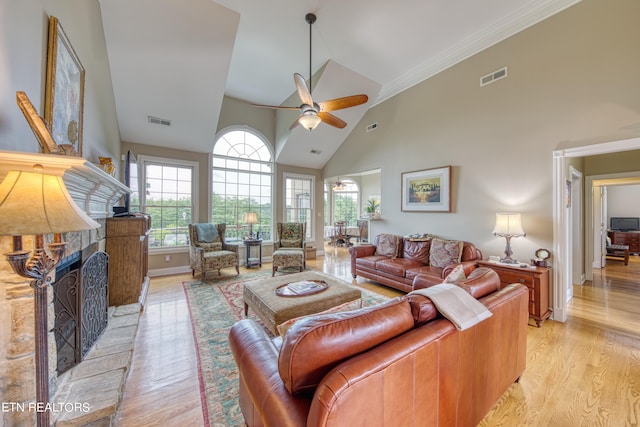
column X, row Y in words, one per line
column 372, row 208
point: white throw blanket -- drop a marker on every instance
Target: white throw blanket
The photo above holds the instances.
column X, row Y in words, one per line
column 456, row 304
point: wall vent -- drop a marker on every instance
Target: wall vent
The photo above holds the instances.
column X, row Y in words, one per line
column 315, row 151
column 372, row 126
column 159, row 121
column 494, row 76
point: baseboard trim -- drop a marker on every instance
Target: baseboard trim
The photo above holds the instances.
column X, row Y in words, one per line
column 169, row 271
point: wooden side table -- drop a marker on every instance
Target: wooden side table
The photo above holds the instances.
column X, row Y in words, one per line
column 536, row 279
column 253, row 261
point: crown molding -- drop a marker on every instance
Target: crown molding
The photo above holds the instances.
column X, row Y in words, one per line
column 513, row 23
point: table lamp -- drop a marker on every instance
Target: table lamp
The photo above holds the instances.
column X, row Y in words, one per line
column 37, row 203
column 508, row 225
column 252, row 218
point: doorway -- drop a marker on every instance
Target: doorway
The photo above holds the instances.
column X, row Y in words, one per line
column 562, row 223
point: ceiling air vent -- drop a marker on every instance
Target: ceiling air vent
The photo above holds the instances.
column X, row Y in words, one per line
column 315, row 151
column 492, row 77
column 159, row 121
column 372, row 126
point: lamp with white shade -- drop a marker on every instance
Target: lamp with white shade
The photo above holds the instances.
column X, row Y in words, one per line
column 38, row 203
column 508, row 225
column 252, row 218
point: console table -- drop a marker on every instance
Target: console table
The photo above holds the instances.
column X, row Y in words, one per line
column 629, row 238
column 536, row 279
column 253, row 243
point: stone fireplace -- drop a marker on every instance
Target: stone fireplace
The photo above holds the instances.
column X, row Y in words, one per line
column 96, row 193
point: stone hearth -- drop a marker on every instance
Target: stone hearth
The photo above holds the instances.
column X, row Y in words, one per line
column 89, row 393
column 96, row 193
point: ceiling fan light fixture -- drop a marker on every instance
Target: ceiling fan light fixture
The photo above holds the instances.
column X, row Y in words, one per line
column 309, row 120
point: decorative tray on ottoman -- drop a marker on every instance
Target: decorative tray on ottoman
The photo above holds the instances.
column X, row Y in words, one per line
column 301, row 288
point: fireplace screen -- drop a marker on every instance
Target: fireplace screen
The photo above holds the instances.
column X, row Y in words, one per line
column 81, row 304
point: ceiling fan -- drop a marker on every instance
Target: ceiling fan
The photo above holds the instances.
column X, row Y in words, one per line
column 312, row 113
column 338, row 185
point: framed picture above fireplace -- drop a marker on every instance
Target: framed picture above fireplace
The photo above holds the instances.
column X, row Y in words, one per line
column 64, row 92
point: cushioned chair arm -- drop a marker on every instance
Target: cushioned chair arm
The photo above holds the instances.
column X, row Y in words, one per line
column 257, row 358
column 228, row 247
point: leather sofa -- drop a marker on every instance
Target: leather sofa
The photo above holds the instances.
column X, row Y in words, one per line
column 397, row 363
column 412, row 259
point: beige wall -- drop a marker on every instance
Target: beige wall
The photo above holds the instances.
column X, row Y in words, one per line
column 627, row 161
column 23, row 46
column 573, row 81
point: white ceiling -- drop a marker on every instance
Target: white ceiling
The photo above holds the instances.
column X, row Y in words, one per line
column 176, row 60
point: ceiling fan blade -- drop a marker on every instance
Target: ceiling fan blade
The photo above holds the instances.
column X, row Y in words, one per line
column 303, row 91
column 340, row 103
column 294, row 124
column 332, row 120
column 280, row 107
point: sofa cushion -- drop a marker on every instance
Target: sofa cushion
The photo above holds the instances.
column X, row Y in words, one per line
column 370, row 261
column 396, row 267
column 388, row 245
column 316, row 344
column 445, row 252
column 418, row 251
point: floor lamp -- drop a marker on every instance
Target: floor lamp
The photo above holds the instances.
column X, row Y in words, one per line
column 37, row 203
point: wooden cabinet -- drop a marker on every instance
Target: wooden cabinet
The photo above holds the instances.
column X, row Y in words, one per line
column 128, row 248
column 536, row 279
column 629, row 238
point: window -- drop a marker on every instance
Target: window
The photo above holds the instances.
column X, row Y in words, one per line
column 345, row 203
column 169, row 198
column 298, row 197
column 242, row 182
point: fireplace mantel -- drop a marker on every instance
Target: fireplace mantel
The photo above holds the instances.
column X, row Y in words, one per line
column 95, row 191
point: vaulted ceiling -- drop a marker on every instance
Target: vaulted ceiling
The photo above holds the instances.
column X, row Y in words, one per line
column 176, row 60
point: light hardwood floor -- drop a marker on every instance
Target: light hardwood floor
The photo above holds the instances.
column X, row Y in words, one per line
column 583, row 372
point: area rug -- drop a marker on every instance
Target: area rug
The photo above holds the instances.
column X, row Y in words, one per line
column 215, row 305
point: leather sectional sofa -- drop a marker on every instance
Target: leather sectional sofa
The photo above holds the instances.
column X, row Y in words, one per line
column 399, row 267
column 395, row 364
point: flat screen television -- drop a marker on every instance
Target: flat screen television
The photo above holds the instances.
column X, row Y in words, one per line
column 624, row 223
column 131, row 180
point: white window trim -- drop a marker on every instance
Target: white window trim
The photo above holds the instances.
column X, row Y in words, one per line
column 273, row 164
column 332, row 194
column 312, row 204
column 142, row 176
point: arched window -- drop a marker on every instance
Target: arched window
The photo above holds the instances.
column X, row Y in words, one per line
column 242, row 182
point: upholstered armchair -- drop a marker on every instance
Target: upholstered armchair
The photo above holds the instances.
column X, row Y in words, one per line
column 208, row 250
column 289, row 246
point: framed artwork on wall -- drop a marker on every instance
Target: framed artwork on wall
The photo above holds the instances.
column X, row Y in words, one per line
column 427, row 190
column 64, row 93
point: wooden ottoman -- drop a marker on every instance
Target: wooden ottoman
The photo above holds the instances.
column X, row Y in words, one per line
column 274, row 310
